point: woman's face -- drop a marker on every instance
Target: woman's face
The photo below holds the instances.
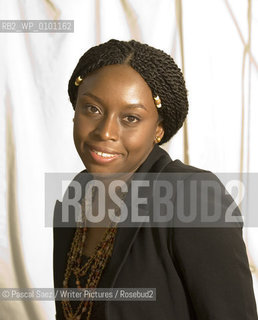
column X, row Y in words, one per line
column 116, row 120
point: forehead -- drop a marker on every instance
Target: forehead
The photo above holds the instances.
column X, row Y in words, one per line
column 119, row 82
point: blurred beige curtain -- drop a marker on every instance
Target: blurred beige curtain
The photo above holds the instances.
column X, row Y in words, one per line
column 214, row 43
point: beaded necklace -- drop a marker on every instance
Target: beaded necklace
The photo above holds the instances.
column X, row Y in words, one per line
column 95, row 264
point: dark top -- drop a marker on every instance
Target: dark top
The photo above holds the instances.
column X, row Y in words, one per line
column 199, row 273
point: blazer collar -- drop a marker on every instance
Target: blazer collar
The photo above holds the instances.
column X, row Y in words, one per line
column 156, row 160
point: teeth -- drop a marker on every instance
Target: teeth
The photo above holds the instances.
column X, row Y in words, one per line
column 103, row 154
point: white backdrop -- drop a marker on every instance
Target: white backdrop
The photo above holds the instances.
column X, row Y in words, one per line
column 210, row 40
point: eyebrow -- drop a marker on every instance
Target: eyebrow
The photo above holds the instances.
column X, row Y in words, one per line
column 91, row 95
column 132, row 105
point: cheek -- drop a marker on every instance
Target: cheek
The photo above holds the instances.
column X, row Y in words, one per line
column 80, row 132
column 140, row 139
column 77, row 132
column 81, row 126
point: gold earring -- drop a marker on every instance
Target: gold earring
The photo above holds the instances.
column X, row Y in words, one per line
column 157, row 139
column 78, row 81
column 157, row 102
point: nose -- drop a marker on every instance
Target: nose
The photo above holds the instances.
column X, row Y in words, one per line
column 107, row 128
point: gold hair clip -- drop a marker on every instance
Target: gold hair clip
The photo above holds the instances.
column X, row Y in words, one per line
column 78, row 81
column 157, row 102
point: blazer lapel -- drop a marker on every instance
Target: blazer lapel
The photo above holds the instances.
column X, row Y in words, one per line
column 125, row 237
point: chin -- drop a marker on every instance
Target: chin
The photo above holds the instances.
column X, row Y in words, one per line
column 100, row 169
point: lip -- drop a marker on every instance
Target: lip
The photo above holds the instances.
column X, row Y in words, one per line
column 100, row 159
column 105, row 150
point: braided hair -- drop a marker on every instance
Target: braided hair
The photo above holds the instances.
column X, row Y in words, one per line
column 157, row 68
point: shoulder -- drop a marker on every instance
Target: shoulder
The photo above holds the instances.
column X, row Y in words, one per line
column 179, row 166
column 174, row 170
column 166, row 164
column 199, row 197
column 177, row 170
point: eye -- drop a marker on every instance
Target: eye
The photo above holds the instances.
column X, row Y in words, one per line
column 132, row 119
column 92, row 109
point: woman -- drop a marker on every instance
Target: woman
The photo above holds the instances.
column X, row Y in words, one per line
column 128, row 99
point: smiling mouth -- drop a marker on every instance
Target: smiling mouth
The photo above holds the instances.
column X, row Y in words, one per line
column 104, row 154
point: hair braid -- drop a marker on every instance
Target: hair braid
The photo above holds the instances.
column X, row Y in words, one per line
column 157, row 68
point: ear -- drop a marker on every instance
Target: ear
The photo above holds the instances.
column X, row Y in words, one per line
column 160, row 131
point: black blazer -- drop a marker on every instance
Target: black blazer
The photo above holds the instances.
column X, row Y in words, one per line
column 198, row 273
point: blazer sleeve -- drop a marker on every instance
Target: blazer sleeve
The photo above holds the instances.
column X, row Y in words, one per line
column 213, row 266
